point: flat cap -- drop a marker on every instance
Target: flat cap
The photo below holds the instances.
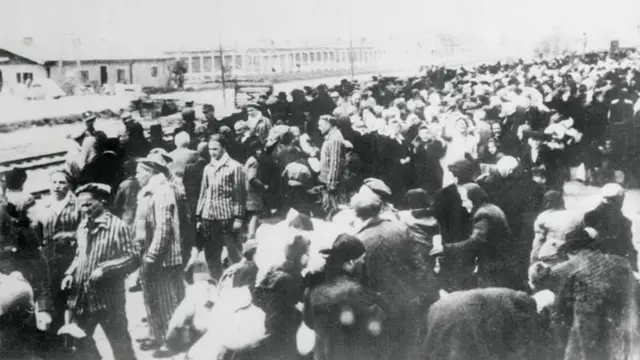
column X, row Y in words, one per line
column 97, row 189
column 378, row 187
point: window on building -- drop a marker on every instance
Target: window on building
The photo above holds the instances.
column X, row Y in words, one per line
column 122, row 75
column 154, row 71
column 195, row 64
column 84, row 76
column 24, row 77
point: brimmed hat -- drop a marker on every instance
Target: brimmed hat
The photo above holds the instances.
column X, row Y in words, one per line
column 126, row 117
column 88, row 116
column 158, row 159
column 96, row 189
column 378, row 187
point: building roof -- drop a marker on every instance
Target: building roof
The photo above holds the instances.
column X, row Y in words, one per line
column 83, row 50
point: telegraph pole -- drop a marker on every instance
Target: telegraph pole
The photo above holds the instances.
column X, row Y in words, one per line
column 351, row 60
column 222, row 72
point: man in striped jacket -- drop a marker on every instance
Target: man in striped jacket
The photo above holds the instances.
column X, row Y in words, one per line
column 158, row 237
column 332, row 163
column 221, row 206
column 104, row 257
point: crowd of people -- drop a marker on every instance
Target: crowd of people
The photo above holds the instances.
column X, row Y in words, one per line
column 454, row 180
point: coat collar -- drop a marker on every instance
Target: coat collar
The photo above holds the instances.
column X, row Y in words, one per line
column 369, row 223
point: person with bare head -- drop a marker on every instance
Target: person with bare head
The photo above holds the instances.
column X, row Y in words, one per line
column 221, row 206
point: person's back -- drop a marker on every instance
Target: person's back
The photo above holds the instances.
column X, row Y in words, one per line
column 481, row 324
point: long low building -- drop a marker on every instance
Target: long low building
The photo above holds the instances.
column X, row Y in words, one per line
column 103, row 63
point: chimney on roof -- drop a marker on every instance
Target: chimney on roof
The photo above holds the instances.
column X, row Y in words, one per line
column 27, row 41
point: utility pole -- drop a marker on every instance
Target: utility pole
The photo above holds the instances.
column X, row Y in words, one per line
column 584, row 43
column 222, row 72
column 351, row 60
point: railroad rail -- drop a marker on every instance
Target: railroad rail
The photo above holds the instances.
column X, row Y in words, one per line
column 39, row 165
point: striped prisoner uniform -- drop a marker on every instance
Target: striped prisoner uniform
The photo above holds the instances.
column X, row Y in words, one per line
column 332, row 163
column 223, row 199
column 157, row 234
column 105, row 243
column 58, row 218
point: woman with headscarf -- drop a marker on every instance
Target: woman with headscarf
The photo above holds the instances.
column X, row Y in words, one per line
column 489, row 241
column 345, row 316
column 427, row 153
column 595, row 315
column 552, row 225
column 513, row 190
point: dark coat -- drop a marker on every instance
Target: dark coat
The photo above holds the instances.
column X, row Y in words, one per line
column 489, row 242
column 395, row 265
column 520, row 199
column 484, row 324
column 324, row 304
column 427, row 170
column 455, row 225
column 614, row 233
column 595, row 314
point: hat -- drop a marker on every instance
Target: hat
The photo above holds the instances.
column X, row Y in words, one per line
column 158, row 159
column 378, row 187
column 206, row 108
column 612, row 190
column 347, row 247
column 462, row 169
column 126, row 116
column 88, row 116
column 96, row 189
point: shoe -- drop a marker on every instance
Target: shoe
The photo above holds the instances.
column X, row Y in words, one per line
column 164, row 352
column 149, row 345
column 136, row 288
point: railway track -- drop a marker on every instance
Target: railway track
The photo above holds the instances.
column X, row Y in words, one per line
column 39, row 166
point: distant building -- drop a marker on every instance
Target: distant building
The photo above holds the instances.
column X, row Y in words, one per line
column 89, row 64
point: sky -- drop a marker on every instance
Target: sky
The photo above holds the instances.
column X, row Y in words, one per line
column 175, row 24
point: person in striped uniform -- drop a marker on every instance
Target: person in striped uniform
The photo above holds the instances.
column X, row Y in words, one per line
column 58, row 223
column 332, row 163
column 221, row 206
column 158, row 238
column 104, row 257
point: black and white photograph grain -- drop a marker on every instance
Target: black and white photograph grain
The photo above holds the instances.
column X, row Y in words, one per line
column 319, row 179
